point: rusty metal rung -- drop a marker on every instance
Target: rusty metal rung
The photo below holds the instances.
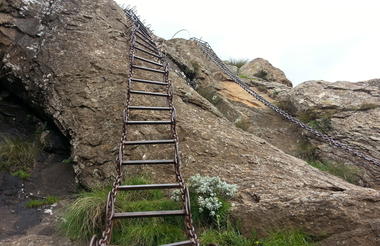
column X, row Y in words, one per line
column 140, row 142
column 152, row 49
column 149, row 93
column 148, row 52
column 183, row 243
column 149, row 122
column 144, row 39
column 143, row 34
column 149, row 69
column 149, row 214
column 149, row 186
column 148, row 162
column 149, row 61
column 148, row 108
column 148, row 81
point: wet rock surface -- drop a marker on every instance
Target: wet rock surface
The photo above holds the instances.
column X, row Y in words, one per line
column 48, row 177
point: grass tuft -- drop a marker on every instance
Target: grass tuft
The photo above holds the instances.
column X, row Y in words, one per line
column 287, row 238
column 226, row 238
column 17, row 153
column 21, row 174
column 42, row 202
column 84, row 216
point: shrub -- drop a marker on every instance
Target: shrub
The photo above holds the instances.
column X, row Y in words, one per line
column 209, row 197
column 347, row 172
column 42, row 202
column 16, row 153
column 236, row 62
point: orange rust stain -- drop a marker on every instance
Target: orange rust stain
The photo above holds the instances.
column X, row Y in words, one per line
column 235, row 93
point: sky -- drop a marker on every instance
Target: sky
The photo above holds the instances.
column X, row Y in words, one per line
column 330, row 40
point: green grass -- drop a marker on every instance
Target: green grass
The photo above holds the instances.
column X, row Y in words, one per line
column 287, row 238
column 236, row 62
column 347, row 172
column 42, row 202
column 21, row 174
column 16, row 153
column 242, row 76
column 85, row 216
column 232, row 237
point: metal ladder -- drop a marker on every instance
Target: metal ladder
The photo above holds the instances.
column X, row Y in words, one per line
column 144, row 50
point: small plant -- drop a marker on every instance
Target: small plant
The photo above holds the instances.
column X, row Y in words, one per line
column 347, row 172
column 42, row 202
column 236, row 62
column 243, row 123
column 21, row 174
column 242, row 76
column 261, row 74
column 307, row 151
column 210, row 94
column 67, row 161
column 17, row 153
column 323, row 124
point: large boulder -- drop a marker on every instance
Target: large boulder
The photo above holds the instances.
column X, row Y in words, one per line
column 73, row 71
column 352, row 111
column 261, row 68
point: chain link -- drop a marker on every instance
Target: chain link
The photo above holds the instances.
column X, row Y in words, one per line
column 206, row 48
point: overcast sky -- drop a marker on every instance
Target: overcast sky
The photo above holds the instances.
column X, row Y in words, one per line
column 307, row 39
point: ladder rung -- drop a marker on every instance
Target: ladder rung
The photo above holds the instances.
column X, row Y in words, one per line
column 147, row 36
column 149, row 93
column 149, row 214
column 149, row 61
column 140, row 142
column 149, row 81
column 148, row 162
column 183, row 243
column 149, row 122
column 149, row 186
column 145, row 39
column 148, row 52
column 154, row 50
column 149, row 69
column 148, row 108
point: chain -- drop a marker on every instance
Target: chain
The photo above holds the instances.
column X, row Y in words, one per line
column 206, row 48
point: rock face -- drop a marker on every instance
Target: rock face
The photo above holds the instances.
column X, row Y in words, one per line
column 261, row 68
column 353, row 113
column 76, row 78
